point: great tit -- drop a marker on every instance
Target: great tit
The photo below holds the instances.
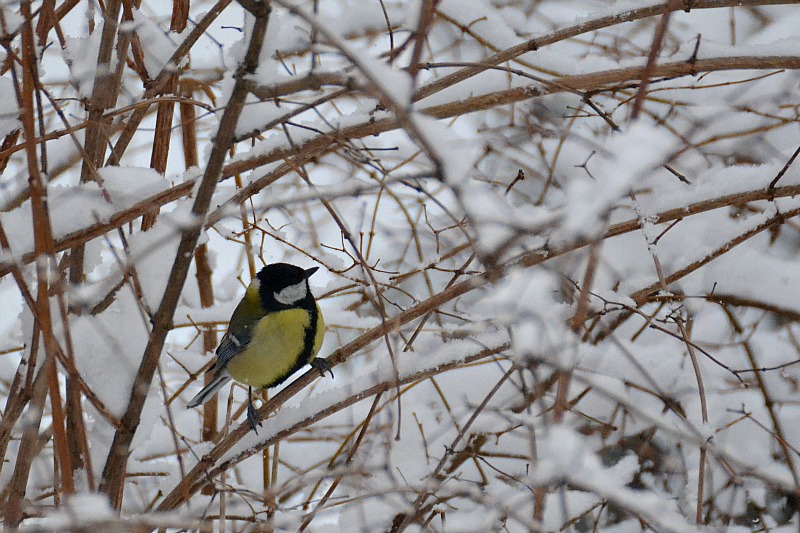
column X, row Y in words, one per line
column 274, row 331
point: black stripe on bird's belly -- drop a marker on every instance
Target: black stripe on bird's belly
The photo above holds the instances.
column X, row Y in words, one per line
column 308, row 344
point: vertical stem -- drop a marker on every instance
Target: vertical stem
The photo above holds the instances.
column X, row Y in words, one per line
column 204, row 286
column 266, row 475
column 246, row 227
column 104, row 96
column 161, row 143
column 46, row 377
column 209, row 337
column 189, row 131
column 43, row 243
column 158, row 161
column 20, row 392
column 223, row 497
column 655, row 49
column 27, row 451
column 700, row 486
column 684, row 334
column 77, row 441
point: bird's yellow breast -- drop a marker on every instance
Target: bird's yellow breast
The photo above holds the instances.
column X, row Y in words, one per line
column 275, row 347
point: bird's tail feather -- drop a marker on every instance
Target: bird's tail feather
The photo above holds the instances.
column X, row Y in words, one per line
column 209, row 390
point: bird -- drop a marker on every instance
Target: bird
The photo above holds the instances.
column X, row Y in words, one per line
column 274, row 331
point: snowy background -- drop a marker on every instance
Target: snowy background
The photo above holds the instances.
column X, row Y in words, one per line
column 558, row 244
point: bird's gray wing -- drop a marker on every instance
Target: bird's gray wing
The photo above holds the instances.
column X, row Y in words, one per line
column 231, row 346
column 240, row 330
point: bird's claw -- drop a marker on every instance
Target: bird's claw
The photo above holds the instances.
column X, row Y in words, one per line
column 322, row 365
column 253, row 418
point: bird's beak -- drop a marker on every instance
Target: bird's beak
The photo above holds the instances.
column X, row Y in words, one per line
column 310, row 271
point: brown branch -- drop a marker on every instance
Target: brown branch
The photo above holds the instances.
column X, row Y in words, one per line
column 43, row 241
column 206, row 290
column 424, row 24
column 769, row 402
column 652, row 56
column 736, row 300
column 47, row 377
column 19, row 393
column 609, row 80
column 161, row 142
column 643, row 295
column 104, row 96
column 202, row 266
column 27, row 451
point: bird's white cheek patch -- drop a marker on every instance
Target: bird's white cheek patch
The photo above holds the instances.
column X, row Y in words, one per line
column 292, row 293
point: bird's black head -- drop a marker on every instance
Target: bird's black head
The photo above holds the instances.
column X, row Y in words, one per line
column 283, row 285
